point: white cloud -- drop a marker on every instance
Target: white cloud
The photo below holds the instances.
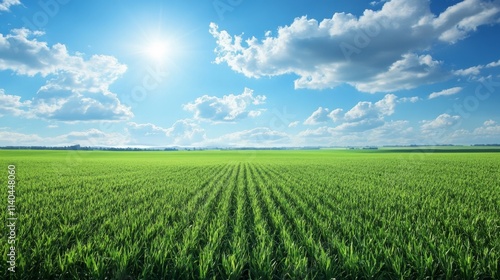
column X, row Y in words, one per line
column 368, row 112
column 489, row 123
column 8, row 138
column 148, row 129
column 476, row 70
column 375, row 3
column 362, row 110
column 459, row 20
column 254, row 113
column 336, row 114
column 6, row 4
column 445, row 92
column 186, row 132
column 487, row 130
column 360, row 125
column 293, row 124
column 398, row 132
column 148, row 134
column 22, row 53
column 406, row 73
column 256, row 137
column 229, row 108
column 443, row 121
column 389, row 133
column 471, row 71
column 488, row 133
column 91, row 137
column 76, row 89
column 320, row 132
column 363, row 116
column 321, row 115
column 367, row 115
column 493, row 64
column 12, row 104
column 381, row 50
column 412, row 99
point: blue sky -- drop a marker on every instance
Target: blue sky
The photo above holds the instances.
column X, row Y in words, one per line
column 249, row 73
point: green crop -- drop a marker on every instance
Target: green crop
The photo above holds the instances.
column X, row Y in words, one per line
column 254, row 215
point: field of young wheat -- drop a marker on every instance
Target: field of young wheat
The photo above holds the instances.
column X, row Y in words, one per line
column 253, row 215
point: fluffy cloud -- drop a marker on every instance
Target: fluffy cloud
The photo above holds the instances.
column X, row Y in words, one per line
column 22, row 53
column 388, row 133
column 228, row 108
column 256, row 137
column 293, row 124
column 493, row 64
column 147, row 134
column 9, row 138
column 379, row 51
column 182, row 132
column 442, row 122
column 12, row 104
column 76, row 89
column 6, row 4
column 321, row 115
column 91, row 137
column 489, row 128
column 412, row 99
column 445, row 92
column 488, row 133
column 148, row 129
column 320, row 132
column 186, row 132
column 489, row 123
column 471, row 71
column 459, row 20
column 363, row 116
column 476, row 70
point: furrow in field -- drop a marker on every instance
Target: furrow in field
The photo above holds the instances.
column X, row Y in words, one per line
column 170, row 215
column 263, row 246
column 176, row 215
column 318, row 198
column 261, row 208
column 344, row 241
column 305, row 197
column 235, row 257
column 117, row 223
column 217, row 231
column 296, row 260
column 193, row 234
column 311, row 226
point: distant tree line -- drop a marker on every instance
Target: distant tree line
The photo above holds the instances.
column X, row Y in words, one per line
column 78, row 147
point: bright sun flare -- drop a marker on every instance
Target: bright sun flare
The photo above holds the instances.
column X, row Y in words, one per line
column 157, row 50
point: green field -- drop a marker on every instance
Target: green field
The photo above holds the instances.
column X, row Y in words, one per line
column 254, row 215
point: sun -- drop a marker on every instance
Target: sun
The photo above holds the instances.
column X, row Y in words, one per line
column 157, row 50
column 156, row 47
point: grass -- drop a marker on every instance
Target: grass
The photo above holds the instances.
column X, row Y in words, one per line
column 255, row 214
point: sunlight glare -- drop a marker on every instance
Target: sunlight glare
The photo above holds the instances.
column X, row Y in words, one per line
column 157, row 50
